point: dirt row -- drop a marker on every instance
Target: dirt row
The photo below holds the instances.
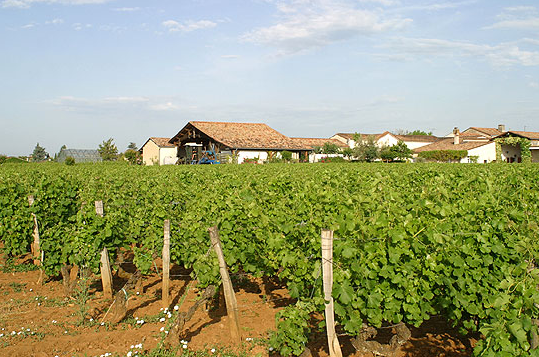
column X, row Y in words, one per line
column 38, row 320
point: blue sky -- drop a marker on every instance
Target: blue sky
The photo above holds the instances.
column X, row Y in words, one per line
column 77, row 72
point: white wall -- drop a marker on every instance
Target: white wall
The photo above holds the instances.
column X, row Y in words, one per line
column 387, row 140
column 167, row 156
column 416, row 144
column 317, row 157
column 247, row 154
column 486, row 153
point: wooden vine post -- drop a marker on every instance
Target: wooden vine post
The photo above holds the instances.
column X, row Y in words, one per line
column 228, row 289
column 106, row 274
column 36, row 250
column 327, row 273
column 166, row 264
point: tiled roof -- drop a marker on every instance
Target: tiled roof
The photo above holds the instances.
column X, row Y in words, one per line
column 488, row 131
column 247, row 135
column 311, row 143
column 351, row 135
column 526, row 134
column 447, row 144
column 162, row 142
column 418, row 138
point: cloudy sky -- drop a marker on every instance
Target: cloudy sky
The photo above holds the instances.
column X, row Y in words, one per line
column 77, row 72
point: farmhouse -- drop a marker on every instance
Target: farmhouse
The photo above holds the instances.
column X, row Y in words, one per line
column 316, row 143
column 511, row 142
column 388, row 139
column 481, row 150
column 158, row 151
column 203, row 141
column 348, row 138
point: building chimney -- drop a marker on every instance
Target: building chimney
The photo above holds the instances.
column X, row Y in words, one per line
column 501, row 127
column 456, row 136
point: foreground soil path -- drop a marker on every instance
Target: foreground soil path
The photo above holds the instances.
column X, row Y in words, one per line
column 37, row 320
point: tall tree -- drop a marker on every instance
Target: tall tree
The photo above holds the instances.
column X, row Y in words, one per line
column 401, row 151
column 39, row 154
column 132, row 146
column 366, row 149
column 413, row 132
column 108, row 150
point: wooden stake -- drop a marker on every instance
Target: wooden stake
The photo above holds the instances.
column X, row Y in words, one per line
column 106, row 273
column 99, row 208
column 166, row 263
column 327, row 273
column 36, row 250
column 228, row 289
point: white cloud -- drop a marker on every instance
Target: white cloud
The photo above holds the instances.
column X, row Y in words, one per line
column 118, row 104
column 29, row 26
column 533, row 84
column 164, row 106
column 230, row 56
column 523, row 24
column 126, row 9
column 25, row 4
column 78, row 26
column 518, row 17
column 439, row 6
column 382, row 2
column 307, row 24
column 504, row 54
column 188, row 26
column 55, row 22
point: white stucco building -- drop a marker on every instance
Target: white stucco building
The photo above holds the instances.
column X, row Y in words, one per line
column 158, row 151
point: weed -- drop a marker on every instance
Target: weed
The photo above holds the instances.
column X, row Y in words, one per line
column 82, row 295
column 9, row 266
column 17, row 287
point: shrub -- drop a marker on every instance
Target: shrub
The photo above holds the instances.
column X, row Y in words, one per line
column 444, row 155
column 286, row 155
column 70, row 161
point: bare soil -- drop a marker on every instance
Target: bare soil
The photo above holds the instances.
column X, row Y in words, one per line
column 38, row 320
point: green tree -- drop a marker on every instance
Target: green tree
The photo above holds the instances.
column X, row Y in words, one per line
column 132, row 146
column 108, row 150
column 39, row 154
column 348, row 152
column 366, row 149
column 401, row 151
column 330, row 148
column 413, row 132
column 133, row 156
column 387, row 154
column 286, row 155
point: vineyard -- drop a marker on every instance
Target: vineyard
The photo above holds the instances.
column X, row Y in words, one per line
column 410, row 241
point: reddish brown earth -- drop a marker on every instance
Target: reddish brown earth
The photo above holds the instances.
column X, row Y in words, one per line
column 54, row 331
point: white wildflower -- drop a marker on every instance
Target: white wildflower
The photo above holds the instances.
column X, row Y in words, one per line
column 176, row 307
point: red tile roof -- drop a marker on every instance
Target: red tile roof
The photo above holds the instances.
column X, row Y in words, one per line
column 489, row 131
column 351, row 135
column 311, row 143
column 447, row 144
column 162, row 142
column 245, row 135
column 418, row 138
column 526, row 134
